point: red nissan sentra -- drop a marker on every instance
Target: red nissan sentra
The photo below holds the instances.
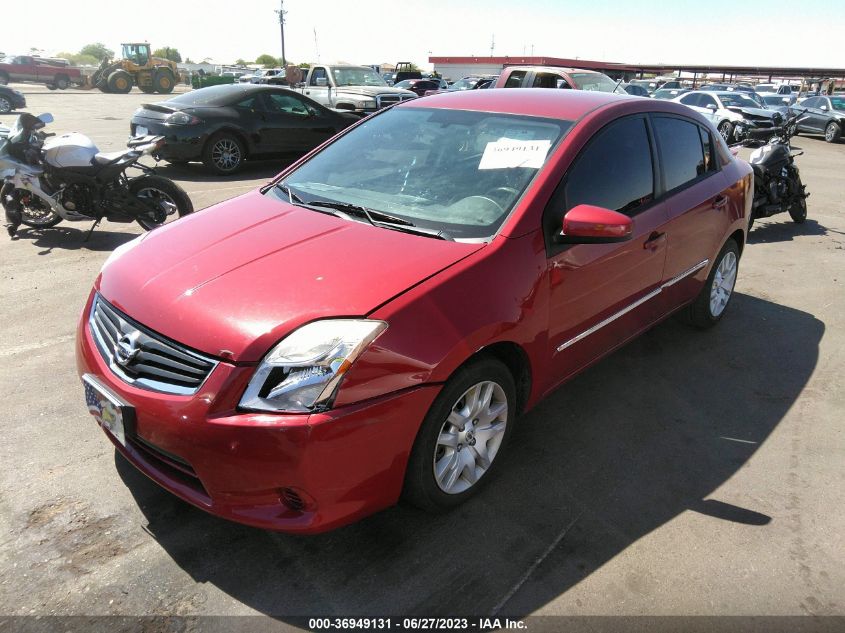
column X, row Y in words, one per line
column 371, row 324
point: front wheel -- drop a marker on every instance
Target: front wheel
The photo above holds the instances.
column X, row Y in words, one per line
column 711, row 303
column 5, row 105
column 726, row 130
column 165, row 199
column 833, row 132
column 462, row 437
column 35, row 213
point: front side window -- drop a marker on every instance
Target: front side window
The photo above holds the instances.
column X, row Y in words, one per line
column 286, row 104
column 691, row 99
column 319, row 73
column 615, row 170
column 546, row 80
column 459, row 172
column 681, row 151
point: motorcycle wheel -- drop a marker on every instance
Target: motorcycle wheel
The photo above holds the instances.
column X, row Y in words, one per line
column 166, row 200
column 798, row 211
column 34, row 212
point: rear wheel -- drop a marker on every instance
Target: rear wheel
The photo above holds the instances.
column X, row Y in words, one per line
column 61, row 82
column 4, row 78
column 712, row 301
column 163, row 81
column 833, row 132
column 223, row 154
column 726, row 130
column 165, row 199
column 120, row 82
column 462, row 436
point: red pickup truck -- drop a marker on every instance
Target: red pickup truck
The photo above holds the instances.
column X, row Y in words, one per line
column 27, row 68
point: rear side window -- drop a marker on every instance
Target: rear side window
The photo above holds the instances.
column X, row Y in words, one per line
column 690, row 100
column 681, row 151
column 614, row 171
column 515, row 79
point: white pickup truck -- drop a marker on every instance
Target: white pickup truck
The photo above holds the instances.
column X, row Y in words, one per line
column 358, row 89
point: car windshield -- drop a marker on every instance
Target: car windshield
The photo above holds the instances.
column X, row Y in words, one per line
column 465, row 84
column 667, row 94
column 774, row 100
column 738, row 99
column 404, row 84
column 838, row 103
column 453, row 171
column 595, row 81
column 357, row 77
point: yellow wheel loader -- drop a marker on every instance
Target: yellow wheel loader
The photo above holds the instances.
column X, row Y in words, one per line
column 137, row 67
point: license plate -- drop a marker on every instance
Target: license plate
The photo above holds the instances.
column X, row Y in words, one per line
column 141, row 131
column 108, row 409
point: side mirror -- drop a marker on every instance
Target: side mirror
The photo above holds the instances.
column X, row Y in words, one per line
column 586, row 224
column 823, row 108
column 46, row 117
column 321, row 81
column 712, row 107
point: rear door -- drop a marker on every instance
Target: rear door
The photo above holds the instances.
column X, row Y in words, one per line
column 695, row 191
column 602, row 294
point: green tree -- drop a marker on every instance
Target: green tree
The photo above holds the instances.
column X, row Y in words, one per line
column 168, row 53
column 268, row 61
column 241, row 62
column 97, row 51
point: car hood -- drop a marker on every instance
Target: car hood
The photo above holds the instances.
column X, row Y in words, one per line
column 756, row 113
column 233, row 279
column 372, row 91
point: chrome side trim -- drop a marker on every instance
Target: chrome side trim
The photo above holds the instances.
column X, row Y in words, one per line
column 636, row 304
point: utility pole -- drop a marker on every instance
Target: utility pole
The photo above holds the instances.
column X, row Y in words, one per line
column 492, row 44
column 281, row 11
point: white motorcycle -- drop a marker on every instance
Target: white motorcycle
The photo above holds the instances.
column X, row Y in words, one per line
column 47, row 179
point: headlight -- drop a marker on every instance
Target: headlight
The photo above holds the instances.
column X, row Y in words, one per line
column 181, row 118
column 302, row 373
column 367, row 103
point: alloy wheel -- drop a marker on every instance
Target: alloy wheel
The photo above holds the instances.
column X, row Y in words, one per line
column 723, row 284
column 470, row 437
column 830, row 133
column 226, row 154
column 5, row 105
column 725, row 131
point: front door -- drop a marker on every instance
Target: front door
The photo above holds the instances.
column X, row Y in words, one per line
column 319, row 85
column 291, row 125
column 603, row 294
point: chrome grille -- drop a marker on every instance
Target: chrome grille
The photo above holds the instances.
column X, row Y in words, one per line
column 143, row 358
column 383, row 101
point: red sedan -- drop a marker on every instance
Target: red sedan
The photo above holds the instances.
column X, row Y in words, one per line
column 371, row 324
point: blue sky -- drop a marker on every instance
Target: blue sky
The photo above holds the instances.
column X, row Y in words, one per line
column 740, row 32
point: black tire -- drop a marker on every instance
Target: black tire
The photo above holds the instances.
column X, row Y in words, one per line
column 798, row 209
column 61, row 82
column 120, row 82
column 147, row 89
column 832, row 132
column 5, row 105
column 36, row 214
column 750, row 221
column 700, row 313
column 223, row 154
column 161, row 192
column 4, row 78
column 421, row 485
column 164, row 82
column 726, row 130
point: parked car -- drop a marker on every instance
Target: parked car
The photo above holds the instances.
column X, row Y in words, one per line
column 11, row 99
column 650, row 85
column 419, row 86
column 776, row 102
column 27, row 68
column 672, row 85
column 824, row 115
column 472, row 82
column 634, row 89
column 556, row 77
column 725, row 109
column 371, row 323
column 358, row 89
column 224, row 125
column 669, row 93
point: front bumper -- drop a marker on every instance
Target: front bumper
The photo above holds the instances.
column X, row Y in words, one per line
column 181, row 142
column 291, row 473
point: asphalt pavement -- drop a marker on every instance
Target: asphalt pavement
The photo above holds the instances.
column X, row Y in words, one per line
column 690, row 473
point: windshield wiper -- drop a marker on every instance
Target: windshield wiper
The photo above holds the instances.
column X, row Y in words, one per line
column 379, row 218
column 292, row 197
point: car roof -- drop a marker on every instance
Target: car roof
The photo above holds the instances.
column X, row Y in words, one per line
column 552, row 69
column 541, row 102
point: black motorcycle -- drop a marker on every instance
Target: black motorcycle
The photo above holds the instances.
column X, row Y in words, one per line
column 48, row 178
column 777, row 183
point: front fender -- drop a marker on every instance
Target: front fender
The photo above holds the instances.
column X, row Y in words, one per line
column 496, row 295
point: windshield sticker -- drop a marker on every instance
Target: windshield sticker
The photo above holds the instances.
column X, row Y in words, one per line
column 507, row 153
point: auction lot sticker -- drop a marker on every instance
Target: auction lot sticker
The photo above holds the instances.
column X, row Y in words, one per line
column 507, row 153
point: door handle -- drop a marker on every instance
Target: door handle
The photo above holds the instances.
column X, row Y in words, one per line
column 720, row 201
column 654, row 241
